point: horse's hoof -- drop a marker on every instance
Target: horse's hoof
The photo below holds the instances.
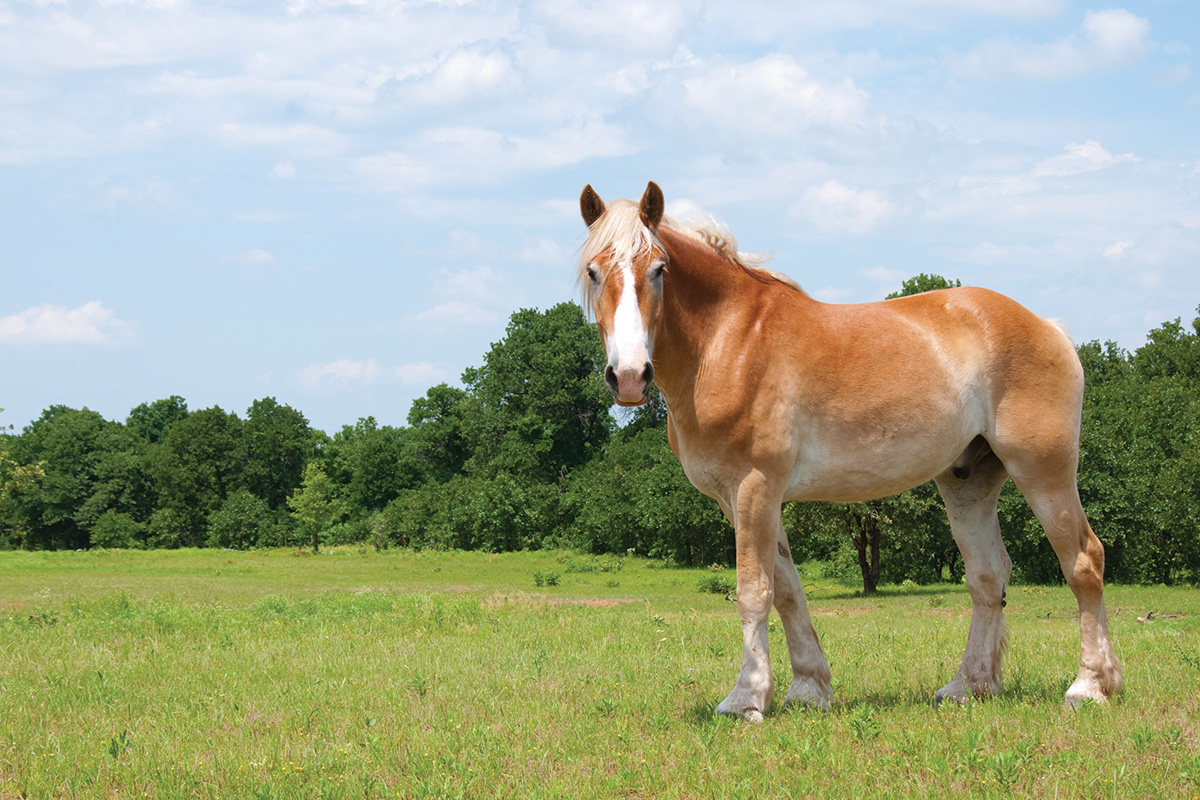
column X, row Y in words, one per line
column 807, row 693
column 725, row 709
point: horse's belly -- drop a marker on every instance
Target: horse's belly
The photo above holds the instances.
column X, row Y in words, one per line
column 852, row 472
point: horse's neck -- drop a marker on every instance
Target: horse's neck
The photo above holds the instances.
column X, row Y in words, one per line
column 705, row 297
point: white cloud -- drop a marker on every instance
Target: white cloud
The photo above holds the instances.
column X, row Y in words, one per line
column 340, row 373
column 457, row 312
column 638, row 26
column 834, row 206
column 396, row 172
column 348, row 371
column 774, row 97
column 467, row 155
column 255, row 257
column 768, row 20
column 90, row 323
column 1110, row 38
column 543, row 250
column 993, row 186
column 422, row 373
column 498, row 151
column 1025, row 194
column 885, row 276
column 461, row 75
column 116, row 197
column 309, row 140
column 1087, row 157
column 478, row 282
column 283, row 171
column 1117, row 250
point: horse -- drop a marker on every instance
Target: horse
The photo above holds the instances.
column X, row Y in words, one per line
column 774, row 396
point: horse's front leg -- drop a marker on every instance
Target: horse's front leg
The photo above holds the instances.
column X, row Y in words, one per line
column 756, row 533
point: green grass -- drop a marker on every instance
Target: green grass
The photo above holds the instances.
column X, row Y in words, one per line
column 215, row 674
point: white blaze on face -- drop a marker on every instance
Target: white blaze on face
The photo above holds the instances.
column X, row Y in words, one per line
column 628, row 343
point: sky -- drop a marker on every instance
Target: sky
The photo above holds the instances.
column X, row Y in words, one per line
column 340, row 203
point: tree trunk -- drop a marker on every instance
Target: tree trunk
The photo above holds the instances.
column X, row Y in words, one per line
column 864, row 532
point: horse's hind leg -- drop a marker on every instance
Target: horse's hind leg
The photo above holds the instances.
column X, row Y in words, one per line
column 1081, row 556
column 810, row 670
column 970, row 498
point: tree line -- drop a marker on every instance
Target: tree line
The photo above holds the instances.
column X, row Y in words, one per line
column 525, row 455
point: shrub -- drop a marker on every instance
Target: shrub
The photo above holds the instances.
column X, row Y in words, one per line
column 716, row 584
column 115, row 529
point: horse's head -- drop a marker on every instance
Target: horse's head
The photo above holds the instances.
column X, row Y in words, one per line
column 621, row 269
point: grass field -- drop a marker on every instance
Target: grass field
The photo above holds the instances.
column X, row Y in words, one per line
column 353, row 674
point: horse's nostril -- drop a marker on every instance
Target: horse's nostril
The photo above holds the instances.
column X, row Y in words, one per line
column 648, row 373
column 610, row 377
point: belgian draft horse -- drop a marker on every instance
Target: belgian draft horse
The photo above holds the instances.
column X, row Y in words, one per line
column 774, row 396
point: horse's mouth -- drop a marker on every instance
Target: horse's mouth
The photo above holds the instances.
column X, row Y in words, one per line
column 632, row 403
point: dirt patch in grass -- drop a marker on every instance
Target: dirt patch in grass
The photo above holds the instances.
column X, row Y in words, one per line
column 850, row 611
column 525, row 600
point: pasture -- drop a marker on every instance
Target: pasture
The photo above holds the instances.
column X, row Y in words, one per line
column 356, row 674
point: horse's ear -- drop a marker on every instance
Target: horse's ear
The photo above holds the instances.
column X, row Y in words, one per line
column 652, row 206
column 591, row 205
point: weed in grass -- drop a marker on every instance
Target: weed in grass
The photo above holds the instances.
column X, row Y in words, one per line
column 970, row 750
column 541, row 578
column 1006, row 766
column 117, row 744
column 864, row 724
column 1141, row 736
column 1188, row 656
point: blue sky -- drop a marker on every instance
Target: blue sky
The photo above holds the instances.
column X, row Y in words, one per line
column 339, row 203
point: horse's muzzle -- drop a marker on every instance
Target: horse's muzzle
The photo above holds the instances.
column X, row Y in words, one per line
column 630, row 387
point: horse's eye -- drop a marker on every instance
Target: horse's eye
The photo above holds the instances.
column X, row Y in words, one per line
column 592, row 274
column 656, row 270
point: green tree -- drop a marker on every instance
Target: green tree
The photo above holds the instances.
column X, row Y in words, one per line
column 90, row 465
column 440, row 444
column 15, row 478
column 243, row 520
column 636, row 497
column 197, row 465
column 313, row 504
column 370, row 465
column 114, row 529
column 543, row 404
column 923, row 283
column 151, row 421
column 277, row 443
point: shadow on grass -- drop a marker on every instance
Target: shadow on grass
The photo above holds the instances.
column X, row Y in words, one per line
column 886, row 592
column 1047, row 693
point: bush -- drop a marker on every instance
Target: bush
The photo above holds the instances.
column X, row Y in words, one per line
column 351, row 532
column 716, row 584
column 115, row 529
column 167, row 529
column 240, row 521
column 545, row 578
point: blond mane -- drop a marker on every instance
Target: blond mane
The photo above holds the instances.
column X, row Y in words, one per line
column 621, row 229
